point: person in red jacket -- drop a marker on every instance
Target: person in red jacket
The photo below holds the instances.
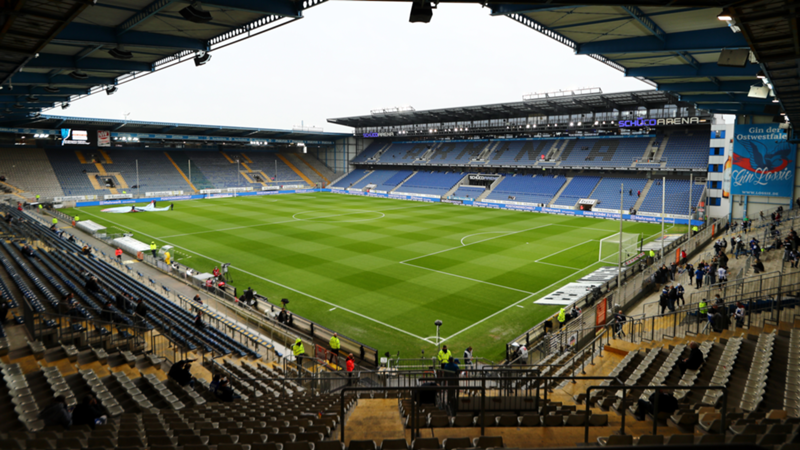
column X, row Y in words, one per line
column 118, row 252
column 216, row 272
column 19, row 206
column 351, row 365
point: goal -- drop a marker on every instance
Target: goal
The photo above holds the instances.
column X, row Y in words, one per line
column 609, row 247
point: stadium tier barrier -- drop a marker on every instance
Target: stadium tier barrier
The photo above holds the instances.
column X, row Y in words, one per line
column 597, row 305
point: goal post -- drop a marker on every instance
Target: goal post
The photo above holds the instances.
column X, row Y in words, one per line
column 610, row 246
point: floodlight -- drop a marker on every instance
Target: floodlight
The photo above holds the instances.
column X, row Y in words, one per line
column 733, row 58
column 758, row 92
column 195, row 13
column 111, row 90
column 725, row 15
column 78, row 75
column 64, row 105
column 120, row 53
column 421, row 11
column 201, row 58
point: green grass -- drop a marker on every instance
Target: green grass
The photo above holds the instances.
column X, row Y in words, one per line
column 382, row 271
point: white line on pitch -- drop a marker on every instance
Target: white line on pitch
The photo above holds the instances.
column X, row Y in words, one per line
column 561, row 251
column 515, row 304
column 477, row 242
column 466, row 278
column 558, row 265
column 486, row 232
column 271, row 281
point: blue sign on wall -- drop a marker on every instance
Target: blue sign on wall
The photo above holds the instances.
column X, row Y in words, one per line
column 763, row 161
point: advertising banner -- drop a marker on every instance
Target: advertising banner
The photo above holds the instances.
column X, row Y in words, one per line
column 103, row 138
column 762, row 163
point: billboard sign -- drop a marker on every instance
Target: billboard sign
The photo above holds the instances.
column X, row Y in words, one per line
column 103, row 138
column 763, row 162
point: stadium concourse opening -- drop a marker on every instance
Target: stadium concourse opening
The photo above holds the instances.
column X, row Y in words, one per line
column 577, row 267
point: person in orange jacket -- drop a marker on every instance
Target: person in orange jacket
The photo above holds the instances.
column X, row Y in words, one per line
column 351, row 365
column 118, row 252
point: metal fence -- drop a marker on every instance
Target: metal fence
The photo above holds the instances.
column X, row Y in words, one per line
column 636, row 280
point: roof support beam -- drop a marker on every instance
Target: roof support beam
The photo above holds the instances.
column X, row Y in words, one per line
column 711, row 39
column 503, row 9
column 703, row 70
column 50, row 61
column 117, row 127
column 84, row 34
column 25, row 78
column 140, row 17
column 725, row 86
column 645, row 21
column 280, row 7
column 724, row 98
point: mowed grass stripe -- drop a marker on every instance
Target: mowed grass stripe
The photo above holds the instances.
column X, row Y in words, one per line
column 356, row 265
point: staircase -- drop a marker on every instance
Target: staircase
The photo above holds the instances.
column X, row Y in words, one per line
column 311, row 173
column 315, row 163
column 649, row 153
column 558, row 194
column 359, row 180
column 483, row 156
column 428, row 154
column 644, row 194
column 660, row 151
column 380, row 152
column 556, row 150
column 455, row 188
column 401, row 183
column 491, row 187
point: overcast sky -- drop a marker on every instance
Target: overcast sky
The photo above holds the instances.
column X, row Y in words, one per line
column 346, row 58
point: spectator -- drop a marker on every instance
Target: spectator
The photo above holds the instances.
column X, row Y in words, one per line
column 27, row 251
column 4, row 308
column 86, row 250
column 225, row 392
column 89, row 412
column 716, row 319
column 197, row 298
column 181, row 372
column 92, row 285
column 118, row 253
column 216, row 272
column 667, row 403
column 283, row 316
column 694, row 361
column 350, row 365
column 619, row 323
column 249, row 295
column 672, row 298
column 738, row 315
column 468, row 356
column 57, row 413
column 214, row 383
column 141, row 308
column 758, row 266
column 699, row 277
column 679, row 291
column 663, row 299
column 198, row 320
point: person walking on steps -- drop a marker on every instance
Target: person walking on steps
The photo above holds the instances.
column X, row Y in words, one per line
column 299, row 352
column 562, row 318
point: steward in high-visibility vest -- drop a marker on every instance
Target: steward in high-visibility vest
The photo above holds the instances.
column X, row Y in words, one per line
column 77, row 218
column 153, row 248
column 444, row 356
column 703, row 308
column 297, row 348
column 334, row 343
column 562, row 317
column 55, row 221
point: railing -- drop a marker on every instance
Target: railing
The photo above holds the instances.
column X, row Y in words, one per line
column 636, row 281
column 626, row 388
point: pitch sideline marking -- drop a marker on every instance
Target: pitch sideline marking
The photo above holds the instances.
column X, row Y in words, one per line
column 274, row 282
column 466, row 278
column 353, row 211
column 561, row 251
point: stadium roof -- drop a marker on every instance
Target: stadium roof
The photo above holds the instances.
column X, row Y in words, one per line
column 46, row 122
column 546, row 105
column 674, row 44
column 54, row 50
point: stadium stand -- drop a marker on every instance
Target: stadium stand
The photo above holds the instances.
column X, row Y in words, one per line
column 686, row 151
column 378, row 178
column 608, row 190
column 266, row 163
column 369, row 152
column 526, row 189
column 579, row 187
column 471, row 192
column 603, row 152
column 395, row 180
column 30, row 170
column 431, row 183
column 69, row 171
column 349, row 179
column 677, row 193
column 156, row 173
column 403, row 153
column 457, row 152
column 519, row 152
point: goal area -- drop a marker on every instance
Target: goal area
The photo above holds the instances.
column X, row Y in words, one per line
column 610, row 246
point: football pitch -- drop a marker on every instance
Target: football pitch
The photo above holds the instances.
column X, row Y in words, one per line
column 382, row 271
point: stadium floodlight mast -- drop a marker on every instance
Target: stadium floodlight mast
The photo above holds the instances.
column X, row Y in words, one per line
column 438, row 324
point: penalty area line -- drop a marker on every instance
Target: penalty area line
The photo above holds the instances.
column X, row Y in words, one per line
column 276, row 283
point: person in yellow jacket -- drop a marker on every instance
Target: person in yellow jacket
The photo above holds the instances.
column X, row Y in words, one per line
column 444, row 356
column 55, row 221
column 153, row 248
column 562, row 318
column 335, row 347
column 298, row 351
column 166, row 257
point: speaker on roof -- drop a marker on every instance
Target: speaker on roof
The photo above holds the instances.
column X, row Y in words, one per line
column 733, row 58
column 421, row 11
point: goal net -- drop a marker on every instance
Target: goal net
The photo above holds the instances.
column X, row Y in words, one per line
column 609, row 247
